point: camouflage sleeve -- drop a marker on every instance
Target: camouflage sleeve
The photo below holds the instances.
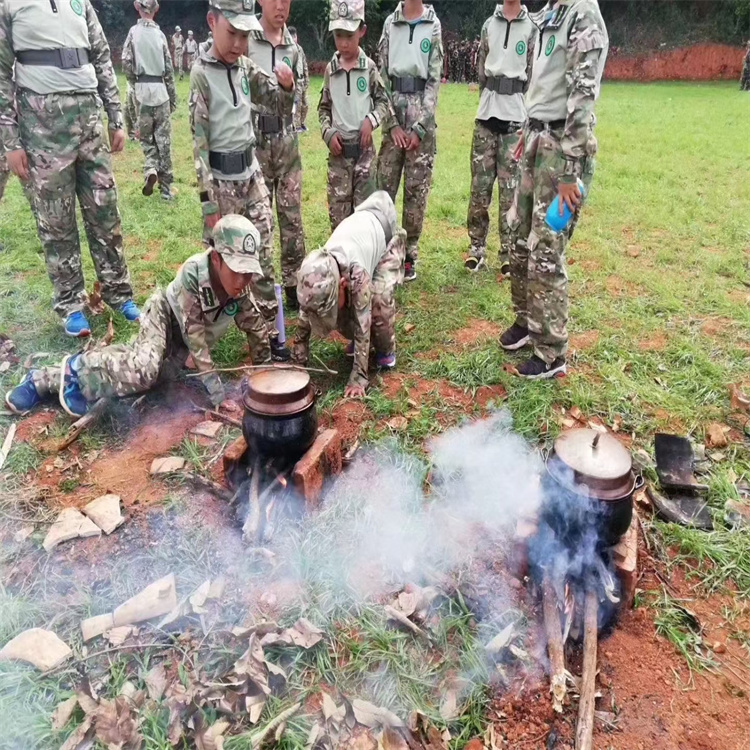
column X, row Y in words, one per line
column 250, row 321
column 484, row 49
column 301, row 348
column 201, row 129
column 169, row 75
column 586, row 46
column 9, row 138
column 101, row 59
column 305, row 67
column 360, row 290
column 530, row 48
column 380, row 102
column 434, row 72
column 265, row 91
column 325, row 108
column 300, row 84
column 383, row 49
column 128, row 58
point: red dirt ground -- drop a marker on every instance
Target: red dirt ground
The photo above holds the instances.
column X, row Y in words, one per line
column 475, row 332
column 702, row 62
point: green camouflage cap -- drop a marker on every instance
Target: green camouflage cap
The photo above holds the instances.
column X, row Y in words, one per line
column 346, row 15
column 150, row 6
column 239, row 13
column 318, row 291
column 238, row 242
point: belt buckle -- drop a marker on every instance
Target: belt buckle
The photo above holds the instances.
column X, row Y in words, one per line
column 69, row 59
column 409, row 86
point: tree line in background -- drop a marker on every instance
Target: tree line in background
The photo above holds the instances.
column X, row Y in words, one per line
column 634, row 25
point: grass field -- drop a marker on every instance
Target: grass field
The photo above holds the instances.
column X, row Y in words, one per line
column 660, row 326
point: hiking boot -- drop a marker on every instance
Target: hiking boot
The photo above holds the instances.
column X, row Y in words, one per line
column 24, row 397
column 166, row 194
column 410, row 270
column 385, row 361
column 77, row 326
column 349, row 351
column 292, row 303
column 474, row 264
column 148, row 185
column 279, row 351
column 516, row 337
column 130, row 310
column 536, row 368
column 71, row 397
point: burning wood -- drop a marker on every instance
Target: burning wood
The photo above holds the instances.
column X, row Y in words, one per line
column 585, row 728
column 558, row 686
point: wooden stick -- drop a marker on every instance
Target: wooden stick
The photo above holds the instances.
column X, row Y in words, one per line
column 208, row 484
column 5, row 450
column 260, row 367
column 78, row 427
column 552, row 627
column 585, row 728
column 218, row 415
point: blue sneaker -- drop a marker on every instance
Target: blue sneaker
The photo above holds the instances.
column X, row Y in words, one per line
column 130, row 310
column 24, row 397
column 77, row 326
column 385, row 361
column 71, row 398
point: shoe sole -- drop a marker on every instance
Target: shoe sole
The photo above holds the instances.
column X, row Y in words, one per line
column 386, row 367
column 148, row 188
column 515, row 347
column 409, row 279
column 85, row 333
column 63, row 367
column 561, row 370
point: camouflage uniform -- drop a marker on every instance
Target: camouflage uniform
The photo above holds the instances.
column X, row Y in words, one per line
column 278, row 150
column 559, row 147
column 410, row 53
column 178, row 46
column 745, row 77
column 59, row 125
column 131, row 112
column 189, row 318
column 300, row 103
column 205, row 46
column 224, row 95
column 145, row 54
column 504, row 65
column 368, row 250
column 191, row 50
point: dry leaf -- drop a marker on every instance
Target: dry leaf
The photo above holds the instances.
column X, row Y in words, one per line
column 390, row 739
column 78, row 736
column 116, row 725
column 156, row 682
column 371, row 715
column 304, row 634
column 737, row 399
column 501, row 640
column 398, row 423
column 331, row 711
column 212, row 738
column 409, row 327
column 61, row 715
column 449, row 705
column 715, row 436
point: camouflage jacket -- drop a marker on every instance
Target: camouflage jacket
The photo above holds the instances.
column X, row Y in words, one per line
column 413, row 111
column 129, row 67
column 178, row 42
column 304, row 68
column 99, row 56
column 204, row 313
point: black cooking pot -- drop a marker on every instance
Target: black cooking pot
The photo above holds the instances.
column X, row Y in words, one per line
column 280, row 418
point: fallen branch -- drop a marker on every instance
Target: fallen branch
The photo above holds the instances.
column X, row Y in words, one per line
column 558, row 686
column 208, row 484
column 5, row 450
column 257, row 739
column 585, row 727
column 219, row 416
column 79, row 426
column 259, row 367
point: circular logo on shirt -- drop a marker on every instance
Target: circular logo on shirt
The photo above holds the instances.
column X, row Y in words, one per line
column 232, row 308
column 77, row 7
column 362, row 83
column 343, row 10
column 550, row 46
column 245, row 85
column 521, row 48
column 248, row 244
column 425, row 46
column 288, row 61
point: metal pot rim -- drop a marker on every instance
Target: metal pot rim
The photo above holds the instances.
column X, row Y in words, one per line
column 583, row 485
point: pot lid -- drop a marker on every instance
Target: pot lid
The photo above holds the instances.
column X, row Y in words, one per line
column 281, row 389
column 593, row 454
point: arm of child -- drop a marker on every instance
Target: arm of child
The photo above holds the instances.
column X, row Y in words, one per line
column 200, row 126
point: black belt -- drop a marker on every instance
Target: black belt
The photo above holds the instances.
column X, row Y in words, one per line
column 65, row 58
column 539, row 125
column 505, row 85
column 408, row 84
column 500, row 127
column 149, row 79
column 351, row 151
column 231, row 162
column 270, row 124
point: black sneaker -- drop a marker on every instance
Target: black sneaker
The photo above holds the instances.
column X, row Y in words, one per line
column 410, row 270
column 474, row 264
column 279, row 351
column 292, row 303
column 505, row 270
column 148, row 185
column 535, row 368
column 516, row 337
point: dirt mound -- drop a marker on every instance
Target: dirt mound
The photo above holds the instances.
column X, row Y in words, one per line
column 702, row 62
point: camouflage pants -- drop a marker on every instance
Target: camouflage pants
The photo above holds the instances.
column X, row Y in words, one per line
column 745, row 78
column 131, row 112
column 155, row 128
column 250, row 199
column 124, row 369
column 281, row 165
column 64, row 139
column 417, row 170
column 539, row 279
column 179, row 61
column 191, row 61
column 491, row 159
column 350, row 182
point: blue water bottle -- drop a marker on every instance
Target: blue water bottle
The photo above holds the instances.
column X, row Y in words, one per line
column 554, row 220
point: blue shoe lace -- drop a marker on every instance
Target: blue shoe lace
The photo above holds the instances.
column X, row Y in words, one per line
column 76, row 325
column 130, row 310
column 24, row 396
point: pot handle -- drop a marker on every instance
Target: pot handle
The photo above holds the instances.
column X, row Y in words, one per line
column 639, row 482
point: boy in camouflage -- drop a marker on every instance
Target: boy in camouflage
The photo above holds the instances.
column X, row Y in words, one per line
column 300, row 102
column 210, row 291
column 503, row 67
column 557, row 150
column 178, row 46
column 411, row 65
column 147, row 65
column 52, row 132
column 278, row 142
column 350, row 285
column 191, row 50
column 745, row 77
column 353, row 103
column 131, row 113
column 223, row 86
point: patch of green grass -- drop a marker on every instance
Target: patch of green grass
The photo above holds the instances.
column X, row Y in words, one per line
column 22, row 459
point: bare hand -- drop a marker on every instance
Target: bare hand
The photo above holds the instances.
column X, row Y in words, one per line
column 116, row 140
column 412, row 142
column 569, row 193
column 365, row 134
column 212, row 220
column 354, row 391
column 284, row 76
column 399, row 137
column 335, row 145
column 18, row 164
column 518, row 153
